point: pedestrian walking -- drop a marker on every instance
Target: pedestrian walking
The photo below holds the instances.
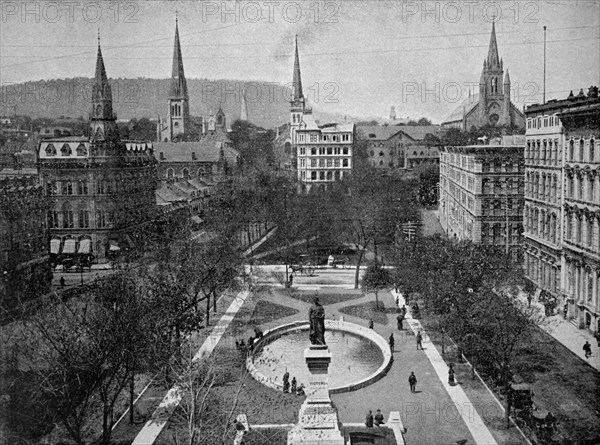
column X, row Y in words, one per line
column 529, row 298
column 370, row 324
column 294, row 386
column 419, row 341
column 403, row 309
column 587, row 347
column 62, row 282
column 379, row 418
column 565, row 310
column 451, row 374
column 291, row 280
column 392, row 342
column 397, row 301
column 400, row 319
column 369, row 420
column 412, row 381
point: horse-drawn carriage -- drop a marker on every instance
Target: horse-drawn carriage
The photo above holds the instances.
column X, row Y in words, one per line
column 77, row 264
column 305, row 266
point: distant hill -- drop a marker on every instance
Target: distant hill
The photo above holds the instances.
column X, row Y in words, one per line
column 268, row 103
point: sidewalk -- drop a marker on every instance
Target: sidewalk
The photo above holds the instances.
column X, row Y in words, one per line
column 567, row 334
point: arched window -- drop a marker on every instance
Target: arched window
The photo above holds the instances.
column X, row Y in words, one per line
column 185, row 173
column 170, row 173
column 581, row 145
column 381, row 154
column 571, row 150
column 67, row 212
column 98, row 110
column 592, row 151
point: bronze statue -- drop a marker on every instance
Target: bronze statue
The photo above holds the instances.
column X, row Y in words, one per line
column 316, row 317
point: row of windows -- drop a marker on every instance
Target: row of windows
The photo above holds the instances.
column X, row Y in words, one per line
column 542, row 273
column 102, row 186
column 579, row 230
column 541, row 224
column 66, row 219
column 324, row 151
column 185, row 173
column 580, row 154
column 325, row 163
column 322, row 175
column 546, row 121
column 324, row 138
column 542, row 186
column 582, row 188
column 466, row 162
column 545, row 152
column 66, row 150
column 580, row 282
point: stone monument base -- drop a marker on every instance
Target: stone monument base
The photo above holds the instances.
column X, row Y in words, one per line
column 318, row 420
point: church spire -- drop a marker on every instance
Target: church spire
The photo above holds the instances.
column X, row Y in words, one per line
column 178, row 82
column 493, row 61
column 244, row 112
column 297, row 80
column 102, row 117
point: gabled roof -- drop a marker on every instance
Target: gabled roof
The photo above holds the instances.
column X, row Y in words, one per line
column 463, row 109
column 377, row 132
column 207, row 150
column 418, row 132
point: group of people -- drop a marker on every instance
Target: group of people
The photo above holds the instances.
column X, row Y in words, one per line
column 247, row 348
column 376, row 420
column 292, row 388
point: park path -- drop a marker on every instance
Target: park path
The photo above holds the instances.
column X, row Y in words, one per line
column 429, row 415
column 481, row 434
column 153, row 427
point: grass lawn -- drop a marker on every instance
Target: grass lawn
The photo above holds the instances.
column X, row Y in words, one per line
column 325, row 296
column 562, row 384
column 368, row 311
column 262, row 405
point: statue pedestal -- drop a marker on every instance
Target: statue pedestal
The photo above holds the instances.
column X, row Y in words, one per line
column 318, row 421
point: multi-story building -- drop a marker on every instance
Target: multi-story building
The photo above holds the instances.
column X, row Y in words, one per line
column 99, row 189
column 562, row 217
column 492, row 106
column 323, row 152
column 481, row 193
column 24, row 262
column 189, row 163
column 403, row 146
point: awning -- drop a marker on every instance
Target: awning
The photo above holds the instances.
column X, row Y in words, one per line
column 69, row 246
column 85, row 246
column 197, row 219
column 114, row 246
column 55, row 246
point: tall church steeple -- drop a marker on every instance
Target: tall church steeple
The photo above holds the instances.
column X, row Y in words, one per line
column 244, row 110
column 297, row 95
column 102, row 118
column 178, row 117
column 297, row 104
column 493, row 61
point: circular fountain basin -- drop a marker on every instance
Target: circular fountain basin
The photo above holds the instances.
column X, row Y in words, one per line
column 359, row 356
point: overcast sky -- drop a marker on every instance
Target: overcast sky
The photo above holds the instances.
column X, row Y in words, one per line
column 357, row 58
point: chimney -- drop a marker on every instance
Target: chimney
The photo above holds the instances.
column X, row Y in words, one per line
column 193, row 156
column 162, row 156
